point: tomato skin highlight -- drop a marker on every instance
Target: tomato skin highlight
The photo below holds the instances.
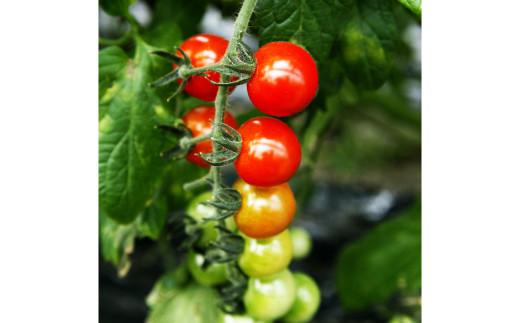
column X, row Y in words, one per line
column 307, row 300
column 285, row 79
column 203, row 50
column 198, row 121
column 263, row 258
column 270, row 298
column 265, row 212
column 270, row 154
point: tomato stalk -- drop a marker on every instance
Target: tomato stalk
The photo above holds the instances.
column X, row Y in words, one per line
column 236, row 278
column 236, row 67
column 239, row 30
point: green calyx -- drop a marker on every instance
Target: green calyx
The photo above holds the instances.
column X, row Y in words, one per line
column 238, row 65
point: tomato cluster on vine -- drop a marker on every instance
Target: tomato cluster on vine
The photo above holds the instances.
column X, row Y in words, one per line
column 283, row 83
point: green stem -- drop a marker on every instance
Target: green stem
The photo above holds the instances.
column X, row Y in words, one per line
column 196, row 183
column 240, row 27
column 239, row 30
column 185, row 142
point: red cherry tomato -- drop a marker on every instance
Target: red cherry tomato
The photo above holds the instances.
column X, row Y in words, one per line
column 203, row 50
column 265, row 212
column 285, row 79
column 198, row 120
column 270, row 152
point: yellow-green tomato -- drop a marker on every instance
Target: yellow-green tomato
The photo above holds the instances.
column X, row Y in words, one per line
column 200, row 211
column 270, row 298
column 213, row 275
column 266, row 257
column 229, row 318
column 307, row 300
column 301, row 242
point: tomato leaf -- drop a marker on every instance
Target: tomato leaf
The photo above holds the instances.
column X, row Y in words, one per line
column 385, row 261
column 129, row 146
column 309, row 23
column 151, row 222
column 173, row 21
column 171, row 301
column 112, row 60
column 413, row 5
column 116, row 242
column 369, row 43
column 116, row 7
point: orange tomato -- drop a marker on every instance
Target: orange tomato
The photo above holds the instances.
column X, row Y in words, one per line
column 265, row 212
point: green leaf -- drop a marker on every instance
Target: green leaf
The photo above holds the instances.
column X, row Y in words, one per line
column 385, row 261
column 129, row 146
column 116, row 242
column 173, row 22
column 413, row 5
column 151, row 222
column 309, row 23
column 112, row 60
column 170, row 301
column 369, row 43
column 116, row 7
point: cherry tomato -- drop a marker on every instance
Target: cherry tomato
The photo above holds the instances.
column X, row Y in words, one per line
column 307, row 300
column 213, row 275
column 270, row 152
column 203, row 50
column 270, row 298
column 266, row 257
column 301, row 242
column 265, row 212
column 200, row 211
column 198, row 120
column 285, row 79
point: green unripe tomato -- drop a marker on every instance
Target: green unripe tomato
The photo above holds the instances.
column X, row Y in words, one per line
column 213, row 275
column 200, row 211
column 228, row 318
column 266, row 257
column 307, row 300
column 401, row 319
column 301, row 241
column 270, row 298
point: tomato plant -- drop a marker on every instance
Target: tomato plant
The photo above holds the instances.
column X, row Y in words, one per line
column 285, row 80
column 270, row 298
column 198, row 120
column 266, row 257
column 307, row 300
column 270, row 153
column 166, row 180
column 203, row 50
column 265, row 212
